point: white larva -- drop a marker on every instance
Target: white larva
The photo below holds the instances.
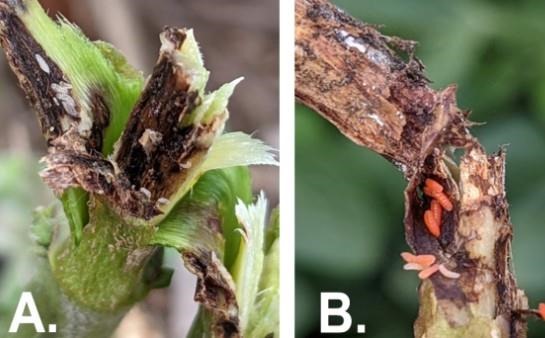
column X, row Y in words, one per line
column 163, row 201
column 146, row 192
column 62, row 94
column 413, row 266
column 41, row 62
column 447, row 273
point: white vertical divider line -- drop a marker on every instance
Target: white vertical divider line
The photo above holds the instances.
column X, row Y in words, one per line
column 287, row 168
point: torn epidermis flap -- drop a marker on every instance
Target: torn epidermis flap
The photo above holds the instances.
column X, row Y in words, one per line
column 481, row 177
column 180, row 44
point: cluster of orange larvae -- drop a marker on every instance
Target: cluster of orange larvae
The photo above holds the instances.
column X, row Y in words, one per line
column 426, row 264
column 440, row 201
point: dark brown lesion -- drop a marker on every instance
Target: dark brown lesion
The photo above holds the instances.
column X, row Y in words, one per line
column 155, row 151
column 23, row 53
column 175, row 36
column 66, row 169
column 101, row 120
column 47, row 88
column 155, row 148
column 215, row 291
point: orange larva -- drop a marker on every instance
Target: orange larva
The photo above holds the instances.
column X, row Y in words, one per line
column 435, row 190
column 436, row 210
column 422, row 260
column 429, row 192
column 541, row 310
column 431, row 223
column 433, row 185
column 443, row 200
column 425, row 260
column 408, row 257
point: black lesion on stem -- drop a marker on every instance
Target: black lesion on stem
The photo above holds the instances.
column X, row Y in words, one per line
column 154, row 144
column 97, row 175
column 35, row 71
column 47, row 88
column 101, row 120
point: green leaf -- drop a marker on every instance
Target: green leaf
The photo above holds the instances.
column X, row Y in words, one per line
column 199, row 220
column 273, row 230
column 227, row 151
column 213, row 104
column 248, row 266
column 264, row 315
column 238, row 149
column 74, row 202
column 120, row 63
column 240, row 181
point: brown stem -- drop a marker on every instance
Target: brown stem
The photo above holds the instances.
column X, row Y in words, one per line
column 358, row 79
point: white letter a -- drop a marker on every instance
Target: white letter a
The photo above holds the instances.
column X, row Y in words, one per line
column 19, row 318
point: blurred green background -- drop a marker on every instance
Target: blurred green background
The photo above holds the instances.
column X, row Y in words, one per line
column 349, row 200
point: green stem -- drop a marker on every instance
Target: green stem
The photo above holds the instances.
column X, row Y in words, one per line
column 71, row 319
column 105, row 271
column 86, row 289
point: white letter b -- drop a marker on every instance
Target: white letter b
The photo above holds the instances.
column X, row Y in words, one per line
column 341, row 311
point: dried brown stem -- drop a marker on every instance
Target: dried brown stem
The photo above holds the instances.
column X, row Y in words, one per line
column 354, row 77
